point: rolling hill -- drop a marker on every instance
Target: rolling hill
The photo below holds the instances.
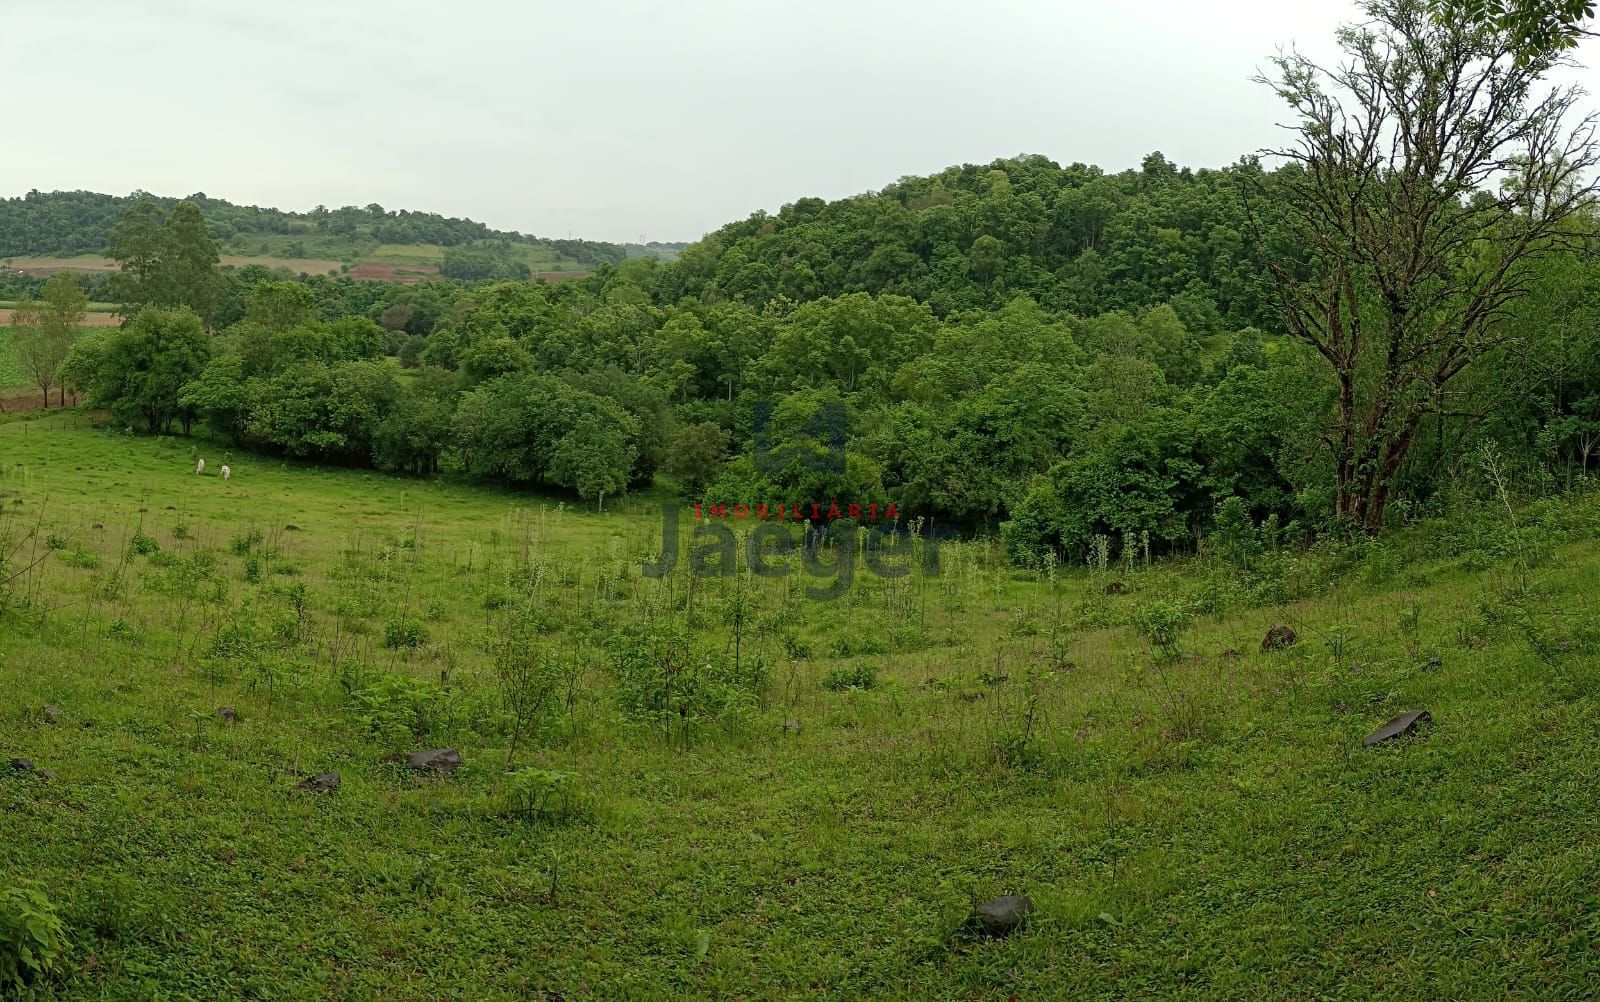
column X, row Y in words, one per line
column 45, row 232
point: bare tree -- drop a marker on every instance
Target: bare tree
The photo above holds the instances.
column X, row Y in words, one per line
column 1431, row 172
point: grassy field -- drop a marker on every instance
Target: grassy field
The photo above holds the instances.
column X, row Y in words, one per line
column 409, row 254
column 1196, row 819
column 10, row 369
column 535, row 257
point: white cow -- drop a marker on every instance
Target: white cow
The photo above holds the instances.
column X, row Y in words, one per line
column 200, row 467
column 226, row 473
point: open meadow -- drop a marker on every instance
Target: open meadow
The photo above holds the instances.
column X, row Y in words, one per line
column 717, row 787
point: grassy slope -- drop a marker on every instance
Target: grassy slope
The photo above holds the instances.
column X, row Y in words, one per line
column 1213, row 828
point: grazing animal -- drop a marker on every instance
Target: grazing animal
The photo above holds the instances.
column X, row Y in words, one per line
column 200, row 467
column 226, row 473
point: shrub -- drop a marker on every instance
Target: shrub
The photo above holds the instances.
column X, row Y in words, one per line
column 850, row 646
column 406, row 633
column 1234, row 538
column 664, row 678
column 1162, row 623
column 80, row 557
column 394, row 708
column 143, row 545
column 795, row 646
column 245, row 542
column 858, row 676
column 547, row 795
column 32, row 937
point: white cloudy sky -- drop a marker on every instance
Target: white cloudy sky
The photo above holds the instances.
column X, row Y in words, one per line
column 608, row 119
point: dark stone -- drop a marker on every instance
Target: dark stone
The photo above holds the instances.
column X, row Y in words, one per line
column 1405, row 723
column 1003, row 915
column 21, row 765
column 51, row 713
column 790, row 727
column 291, row 528
column 171, row 508
column 143, row 510
column 48, row 775
column 444, row 761
column 1278, row 638
column 228, row 714
column 322, row 782
column 1115, row 588
column 96, row 525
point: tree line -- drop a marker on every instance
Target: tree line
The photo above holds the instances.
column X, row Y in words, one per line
column 80, row 222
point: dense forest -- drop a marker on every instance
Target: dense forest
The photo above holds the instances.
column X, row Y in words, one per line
column 80, row 222
column 1056, row 353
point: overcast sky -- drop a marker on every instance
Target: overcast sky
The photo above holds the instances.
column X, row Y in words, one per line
column 614, row 120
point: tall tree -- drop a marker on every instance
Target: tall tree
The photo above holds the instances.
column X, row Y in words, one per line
column 136, row 245
column 1432, row 171
column 188, row 272
column 46, row 329
column 166, row 262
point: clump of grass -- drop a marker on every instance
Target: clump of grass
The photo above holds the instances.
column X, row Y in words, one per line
column 82, row 558
column 407, row 634
column 547, row 796
column 244, row 542
column 857, row 676
column 795, row 646
column 856, row 645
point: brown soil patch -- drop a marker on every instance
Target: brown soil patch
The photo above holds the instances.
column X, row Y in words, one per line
column 382, row 271
column 15, row 399
column 44, row 267
column 89, row 319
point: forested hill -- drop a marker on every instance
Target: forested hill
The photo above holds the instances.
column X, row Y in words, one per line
column 1075, row 239
column 63, row 223
column 1069, row 355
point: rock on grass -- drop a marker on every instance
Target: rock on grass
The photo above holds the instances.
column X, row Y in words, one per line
column 1405, row 723
column 322, row 782
column 444, row 761
column 1002, row 916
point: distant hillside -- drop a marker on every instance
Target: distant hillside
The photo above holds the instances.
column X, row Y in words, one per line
column 48, row 231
